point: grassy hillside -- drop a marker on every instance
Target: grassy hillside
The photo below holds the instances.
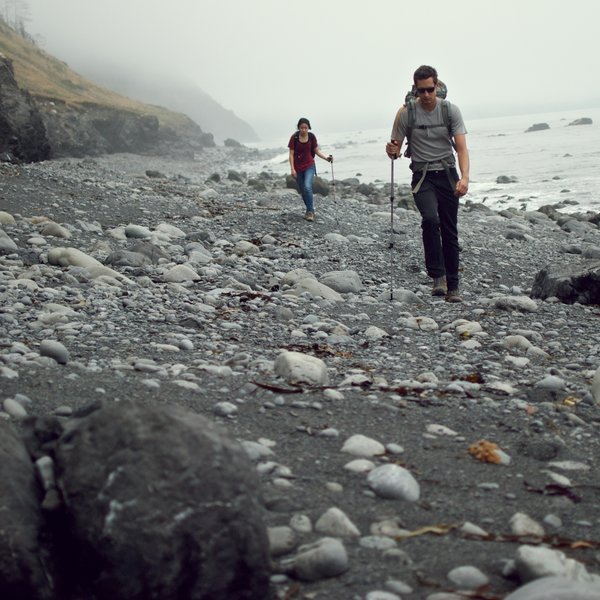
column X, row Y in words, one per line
column 47, row 78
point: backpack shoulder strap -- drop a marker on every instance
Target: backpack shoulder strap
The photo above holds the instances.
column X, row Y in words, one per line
column 313, row 146
column 411, row 108
column 447, row 117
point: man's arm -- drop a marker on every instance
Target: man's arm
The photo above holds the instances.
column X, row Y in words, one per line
column 462, row 185
column 393, row 147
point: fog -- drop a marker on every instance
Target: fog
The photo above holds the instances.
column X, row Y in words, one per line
column 344, row 64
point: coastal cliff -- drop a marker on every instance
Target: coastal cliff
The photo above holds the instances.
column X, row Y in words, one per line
column 49, row 111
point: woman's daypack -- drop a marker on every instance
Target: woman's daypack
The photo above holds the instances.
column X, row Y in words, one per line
column 311, row 139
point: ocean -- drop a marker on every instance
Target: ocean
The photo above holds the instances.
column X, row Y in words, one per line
column 559, row 165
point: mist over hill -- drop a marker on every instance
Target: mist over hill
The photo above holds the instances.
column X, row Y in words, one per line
column 176, row 94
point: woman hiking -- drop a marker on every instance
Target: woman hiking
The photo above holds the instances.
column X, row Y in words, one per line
column 303, row 148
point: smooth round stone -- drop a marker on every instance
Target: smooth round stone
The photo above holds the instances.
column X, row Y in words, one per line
column 55, row 350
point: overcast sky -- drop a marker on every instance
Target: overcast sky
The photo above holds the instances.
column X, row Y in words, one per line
column 345, row 64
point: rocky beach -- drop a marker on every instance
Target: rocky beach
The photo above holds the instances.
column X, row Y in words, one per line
column 404, row 447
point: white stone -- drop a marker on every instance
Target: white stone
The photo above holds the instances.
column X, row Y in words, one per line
column 336, row 238
column 420, row 323
column 71, row 257
column 556, row 588
column 551, row 382
column 375, row 333
column 400, row 295
column 171, row 230
column 55, row 230
column 335, row 522
column 342, row 281
column 467, row 577
column 6, row 243
column 363, row 446
column 522, row 303
column 333, row 394
column 440, row 430
column 180, row 274
column 292, row 277
column 394, row 482
column 325, row 558
column 6, row 218
column 522, row 524
column 297, row 367
column 137, row 231
column 359, row 465
column 534, row 562
column 470, row 327
column 519, row 342
column 55, row 350
column 301, row 523
column 243, row 247
column 14, row 409
column 314, row 288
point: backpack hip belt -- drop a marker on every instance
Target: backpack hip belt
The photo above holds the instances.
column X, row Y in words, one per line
column 424, row 168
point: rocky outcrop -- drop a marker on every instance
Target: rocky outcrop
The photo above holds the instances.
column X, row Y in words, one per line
column 569, row 283
column 537, row 127
column 581, row 121
column 88, row 129
column 22, row 131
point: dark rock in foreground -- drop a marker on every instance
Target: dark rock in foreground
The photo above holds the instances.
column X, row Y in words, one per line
column 157, row 503
column 569, row 283
column 22, row 576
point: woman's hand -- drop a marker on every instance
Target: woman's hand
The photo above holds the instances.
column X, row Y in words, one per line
column 329, row 158
column 294, row 174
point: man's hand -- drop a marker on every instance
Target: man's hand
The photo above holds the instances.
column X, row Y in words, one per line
column 462, row 187
column 330, row 158
column 392, row 149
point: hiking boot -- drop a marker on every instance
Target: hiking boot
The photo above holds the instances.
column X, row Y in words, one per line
column 310, row 216
column 453, row 296
column 440, row 287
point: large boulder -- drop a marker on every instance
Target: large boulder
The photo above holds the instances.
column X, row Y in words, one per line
column 569, row 283
column 22, row 575
column 160, row 504
column 22, row 131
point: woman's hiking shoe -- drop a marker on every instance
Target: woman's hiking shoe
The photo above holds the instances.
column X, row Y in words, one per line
column 440, row 287
column 310, row 216
column 453, row 296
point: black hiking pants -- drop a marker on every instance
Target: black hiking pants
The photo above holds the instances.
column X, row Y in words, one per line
column 439, row 221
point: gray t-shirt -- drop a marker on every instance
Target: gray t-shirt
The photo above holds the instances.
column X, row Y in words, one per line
column 431, row 143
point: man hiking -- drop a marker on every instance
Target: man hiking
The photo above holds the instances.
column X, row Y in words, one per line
column 434, row 128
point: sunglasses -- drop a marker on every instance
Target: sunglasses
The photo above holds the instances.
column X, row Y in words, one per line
column 429, row 90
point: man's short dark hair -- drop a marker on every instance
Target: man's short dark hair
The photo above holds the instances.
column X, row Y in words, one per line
column 425, row 72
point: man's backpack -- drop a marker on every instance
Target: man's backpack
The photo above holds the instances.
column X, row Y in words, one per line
column 410, row 102
column 311, row 139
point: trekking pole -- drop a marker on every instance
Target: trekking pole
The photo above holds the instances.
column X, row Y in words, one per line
column 334, row 198
column 392, row 233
